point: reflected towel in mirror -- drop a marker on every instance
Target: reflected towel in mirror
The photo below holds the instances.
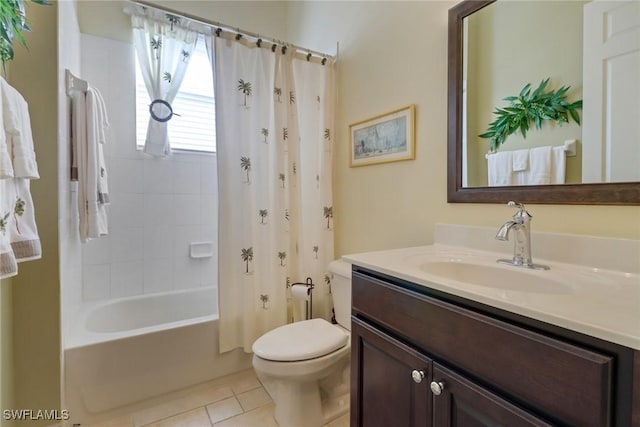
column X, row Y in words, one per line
column 500, row 169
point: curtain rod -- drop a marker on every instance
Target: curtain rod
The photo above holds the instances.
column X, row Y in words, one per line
column 228, row 28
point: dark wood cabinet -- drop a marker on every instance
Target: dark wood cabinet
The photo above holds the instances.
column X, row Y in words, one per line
column 385, row 390
column 494, row 368
column 463, row 403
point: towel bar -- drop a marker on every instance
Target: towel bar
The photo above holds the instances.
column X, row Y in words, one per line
column 74, row 83
column 569, row 148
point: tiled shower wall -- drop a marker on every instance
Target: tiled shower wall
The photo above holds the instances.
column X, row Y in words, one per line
column 158, row 206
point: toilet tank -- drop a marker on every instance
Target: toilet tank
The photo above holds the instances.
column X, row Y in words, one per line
column 341, row 291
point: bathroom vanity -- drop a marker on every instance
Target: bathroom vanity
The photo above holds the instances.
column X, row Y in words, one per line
column 431, row 347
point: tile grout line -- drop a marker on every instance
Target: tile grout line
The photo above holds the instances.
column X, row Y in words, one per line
column 235, row 395
column 183, row 412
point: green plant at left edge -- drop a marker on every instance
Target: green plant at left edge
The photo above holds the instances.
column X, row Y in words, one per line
column 13, row 21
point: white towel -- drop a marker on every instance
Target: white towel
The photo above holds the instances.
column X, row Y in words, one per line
column 8, row 265
column 103, row 124
column 6, row 165
column 500, row 168
column 79, row 148
column 88, row 124
column 17, row 127
column 24, row 238
column 558, row 165
column 23, row 233
column 520, row 160
column 96, row 170
column 539, row 172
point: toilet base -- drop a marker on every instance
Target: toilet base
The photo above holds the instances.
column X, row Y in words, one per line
column 335, row 407
column 299, row 404
column 309, row 404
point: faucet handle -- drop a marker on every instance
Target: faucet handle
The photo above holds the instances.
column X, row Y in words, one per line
column 513, row 204
column 522, row 212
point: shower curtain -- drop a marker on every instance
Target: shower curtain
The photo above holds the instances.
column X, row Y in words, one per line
column 164, row 46
column 274, row 115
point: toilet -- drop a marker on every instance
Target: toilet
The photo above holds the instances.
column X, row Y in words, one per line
column 305, row 365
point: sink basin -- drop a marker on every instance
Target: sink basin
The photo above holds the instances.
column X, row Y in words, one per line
column 498, row 277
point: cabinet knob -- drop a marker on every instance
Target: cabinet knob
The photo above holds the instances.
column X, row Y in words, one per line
column 437, row 387
column 417, row 376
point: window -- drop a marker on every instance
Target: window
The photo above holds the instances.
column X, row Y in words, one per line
column 195, row 127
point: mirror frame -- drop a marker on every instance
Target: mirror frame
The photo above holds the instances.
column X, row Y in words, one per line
column 626, row 193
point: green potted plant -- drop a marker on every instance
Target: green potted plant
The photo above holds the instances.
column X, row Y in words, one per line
column 13, row 21
column 529, row 107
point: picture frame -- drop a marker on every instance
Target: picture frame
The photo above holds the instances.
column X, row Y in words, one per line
column 389, row 137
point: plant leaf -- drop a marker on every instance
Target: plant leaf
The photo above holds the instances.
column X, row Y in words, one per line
column 525, row 90
column 531, row 107
column 575, row 116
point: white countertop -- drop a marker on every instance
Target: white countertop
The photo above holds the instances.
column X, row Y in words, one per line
column 594, row 301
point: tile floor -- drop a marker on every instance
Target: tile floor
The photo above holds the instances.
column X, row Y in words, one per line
column 237, row 400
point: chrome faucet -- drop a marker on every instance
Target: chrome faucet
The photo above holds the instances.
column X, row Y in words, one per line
column 522, row 242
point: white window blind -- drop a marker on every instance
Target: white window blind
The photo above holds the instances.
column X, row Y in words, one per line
column 195, row 127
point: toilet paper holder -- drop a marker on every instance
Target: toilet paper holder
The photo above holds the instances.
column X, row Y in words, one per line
column 309, row 303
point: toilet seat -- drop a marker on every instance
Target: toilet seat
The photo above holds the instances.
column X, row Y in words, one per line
column 298, row 341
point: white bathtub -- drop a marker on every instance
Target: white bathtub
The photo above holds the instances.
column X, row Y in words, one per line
column 124, row 351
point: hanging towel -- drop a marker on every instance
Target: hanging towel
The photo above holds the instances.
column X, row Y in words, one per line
column 23, row 232
column 24, row 238
column 17, row 127
column 539, row 172
column 96, row 172
column 558, row 165
column 8, row 264
column 500, row 168
column 89, row 121
column 520, row 160
column 6, row 166
column 79, row 148
column 102, row 125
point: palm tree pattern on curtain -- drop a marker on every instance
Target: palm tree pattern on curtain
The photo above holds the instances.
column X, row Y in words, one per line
column 273, row 197
column 245, row 88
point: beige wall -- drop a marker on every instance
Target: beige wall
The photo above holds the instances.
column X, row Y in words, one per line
column 36, row 289
column 6, row 349
column 105, row 18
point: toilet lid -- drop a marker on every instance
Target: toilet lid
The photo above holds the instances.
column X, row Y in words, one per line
column 303, row 340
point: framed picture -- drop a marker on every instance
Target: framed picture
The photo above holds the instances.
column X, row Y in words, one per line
column 386, row 138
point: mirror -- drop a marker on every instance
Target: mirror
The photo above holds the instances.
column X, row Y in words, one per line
column 467, row 163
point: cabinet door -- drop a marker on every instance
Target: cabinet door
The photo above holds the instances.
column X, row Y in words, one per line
column 389, row 381
column 460, row 402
